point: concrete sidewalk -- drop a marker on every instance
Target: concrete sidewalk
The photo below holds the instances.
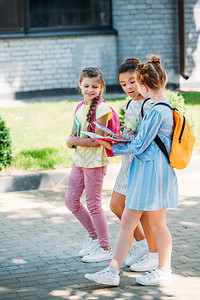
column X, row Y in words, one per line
column 40, row 241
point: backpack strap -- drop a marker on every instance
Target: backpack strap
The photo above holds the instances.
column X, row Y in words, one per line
column 162, row 147
column 142, row 108
column 78, row 106
column 128, row 103
column 157, row 140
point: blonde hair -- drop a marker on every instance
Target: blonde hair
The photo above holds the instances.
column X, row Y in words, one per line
column 152, row 74
column 92, row 72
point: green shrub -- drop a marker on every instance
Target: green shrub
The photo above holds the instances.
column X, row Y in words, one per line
column 176, row 99
column 5, row 145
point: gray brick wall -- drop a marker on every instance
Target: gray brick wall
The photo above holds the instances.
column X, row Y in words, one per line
column 150, row 27
column 53, row 63
column 144, row 27
column 192, row 43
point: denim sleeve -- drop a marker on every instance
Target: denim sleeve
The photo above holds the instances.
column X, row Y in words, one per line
column 148, row 130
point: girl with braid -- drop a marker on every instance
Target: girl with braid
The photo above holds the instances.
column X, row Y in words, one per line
column 89, row 168
column 152, row 183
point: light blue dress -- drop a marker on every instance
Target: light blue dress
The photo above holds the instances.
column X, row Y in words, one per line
column 152, row 182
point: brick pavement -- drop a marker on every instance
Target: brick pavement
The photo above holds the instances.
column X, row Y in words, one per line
column 40, row 240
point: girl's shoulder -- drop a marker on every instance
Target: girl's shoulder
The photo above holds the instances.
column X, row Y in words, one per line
column 162, row 107
column 159, row 111
column 103, row 109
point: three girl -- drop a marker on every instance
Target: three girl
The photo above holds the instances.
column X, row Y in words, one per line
column 89, row 168
column 152, row 183
column 141, row 258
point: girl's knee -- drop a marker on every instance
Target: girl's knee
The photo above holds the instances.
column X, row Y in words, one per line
column 70, row 203
column 113, row 207
column 94, row 208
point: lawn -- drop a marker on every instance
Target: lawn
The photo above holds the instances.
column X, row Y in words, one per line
column 39, row 132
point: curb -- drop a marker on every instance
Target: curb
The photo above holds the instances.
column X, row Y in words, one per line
column 34, row 181
column 55, row 179
column 49, row 180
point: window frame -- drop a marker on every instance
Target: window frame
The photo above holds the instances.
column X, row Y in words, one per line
column 26, row 31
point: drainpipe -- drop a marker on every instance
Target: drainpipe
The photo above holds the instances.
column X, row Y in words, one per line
column 182, row 39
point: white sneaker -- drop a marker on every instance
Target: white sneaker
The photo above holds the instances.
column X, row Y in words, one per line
column 88, row 246
column 155, row 277
column 104, row 276
column 146, row 263
column 99, row 254
column 137, row 253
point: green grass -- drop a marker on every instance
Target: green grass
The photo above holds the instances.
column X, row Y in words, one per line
column 191, row 98
column 39, row 132
column 192, row 102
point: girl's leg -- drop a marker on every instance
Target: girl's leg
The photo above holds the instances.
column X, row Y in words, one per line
column 93, row 187
column 157, row 221
column 72, row 200
column 148, row 233
column 117, row 204
column 129, row 221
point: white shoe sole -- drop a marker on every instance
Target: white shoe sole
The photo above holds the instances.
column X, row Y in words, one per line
column 100, row 282
column 163, row 282
column 135, row 269
column 87, row 260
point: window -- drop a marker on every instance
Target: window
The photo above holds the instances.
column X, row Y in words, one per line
column 27, row 17
column 10, row 15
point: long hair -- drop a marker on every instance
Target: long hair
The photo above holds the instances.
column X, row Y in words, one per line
column 92, row 72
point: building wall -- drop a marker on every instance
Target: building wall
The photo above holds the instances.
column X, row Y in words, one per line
column 148, row 27
column 192, row 45
column 54, row 63
column 144, row 27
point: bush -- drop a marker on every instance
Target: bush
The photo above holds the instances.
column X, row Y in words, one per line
column 176, row 99
column 5, row 145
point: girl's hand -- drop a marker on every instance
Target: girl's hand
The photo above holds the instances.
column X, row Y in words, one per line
column 105, row 144
column 119, row 136
column 70, row 140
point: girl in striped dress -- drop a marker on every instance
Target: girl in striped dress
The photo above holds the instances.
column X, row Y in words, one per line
column 143, row 255
column 152, row 183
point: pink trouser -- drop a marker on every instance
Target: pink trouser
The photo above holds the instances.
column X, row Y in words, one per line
column 92, row 218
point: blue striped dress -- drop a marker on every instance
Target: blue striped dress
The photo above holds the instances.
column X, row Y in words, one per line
column 152, row 182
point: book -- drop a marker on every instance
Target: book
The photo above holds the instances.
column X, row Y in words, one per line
column 103, row 128
column 77, row 126
column 105, row 138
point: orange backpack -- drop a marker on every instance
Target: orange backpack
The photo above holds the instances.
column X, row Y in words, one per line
column 182, row 140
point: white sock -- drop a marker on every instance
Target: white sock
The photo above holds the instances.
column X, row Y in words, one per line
column 115, row 272
column 142, row 243
column 153, row 255
column 166, row 271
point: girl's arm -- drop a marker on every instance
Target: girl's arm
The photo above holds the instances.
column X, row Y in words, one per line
column 87, row 142
column 69, row 142
column 148, row 130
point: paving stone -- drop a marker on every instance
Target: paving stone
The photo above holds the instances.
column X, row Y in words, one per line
column 40, row 244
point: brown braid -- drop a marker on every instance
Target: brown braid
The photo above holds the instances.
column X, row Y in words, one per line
column 90, row 114
column 92, row 72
